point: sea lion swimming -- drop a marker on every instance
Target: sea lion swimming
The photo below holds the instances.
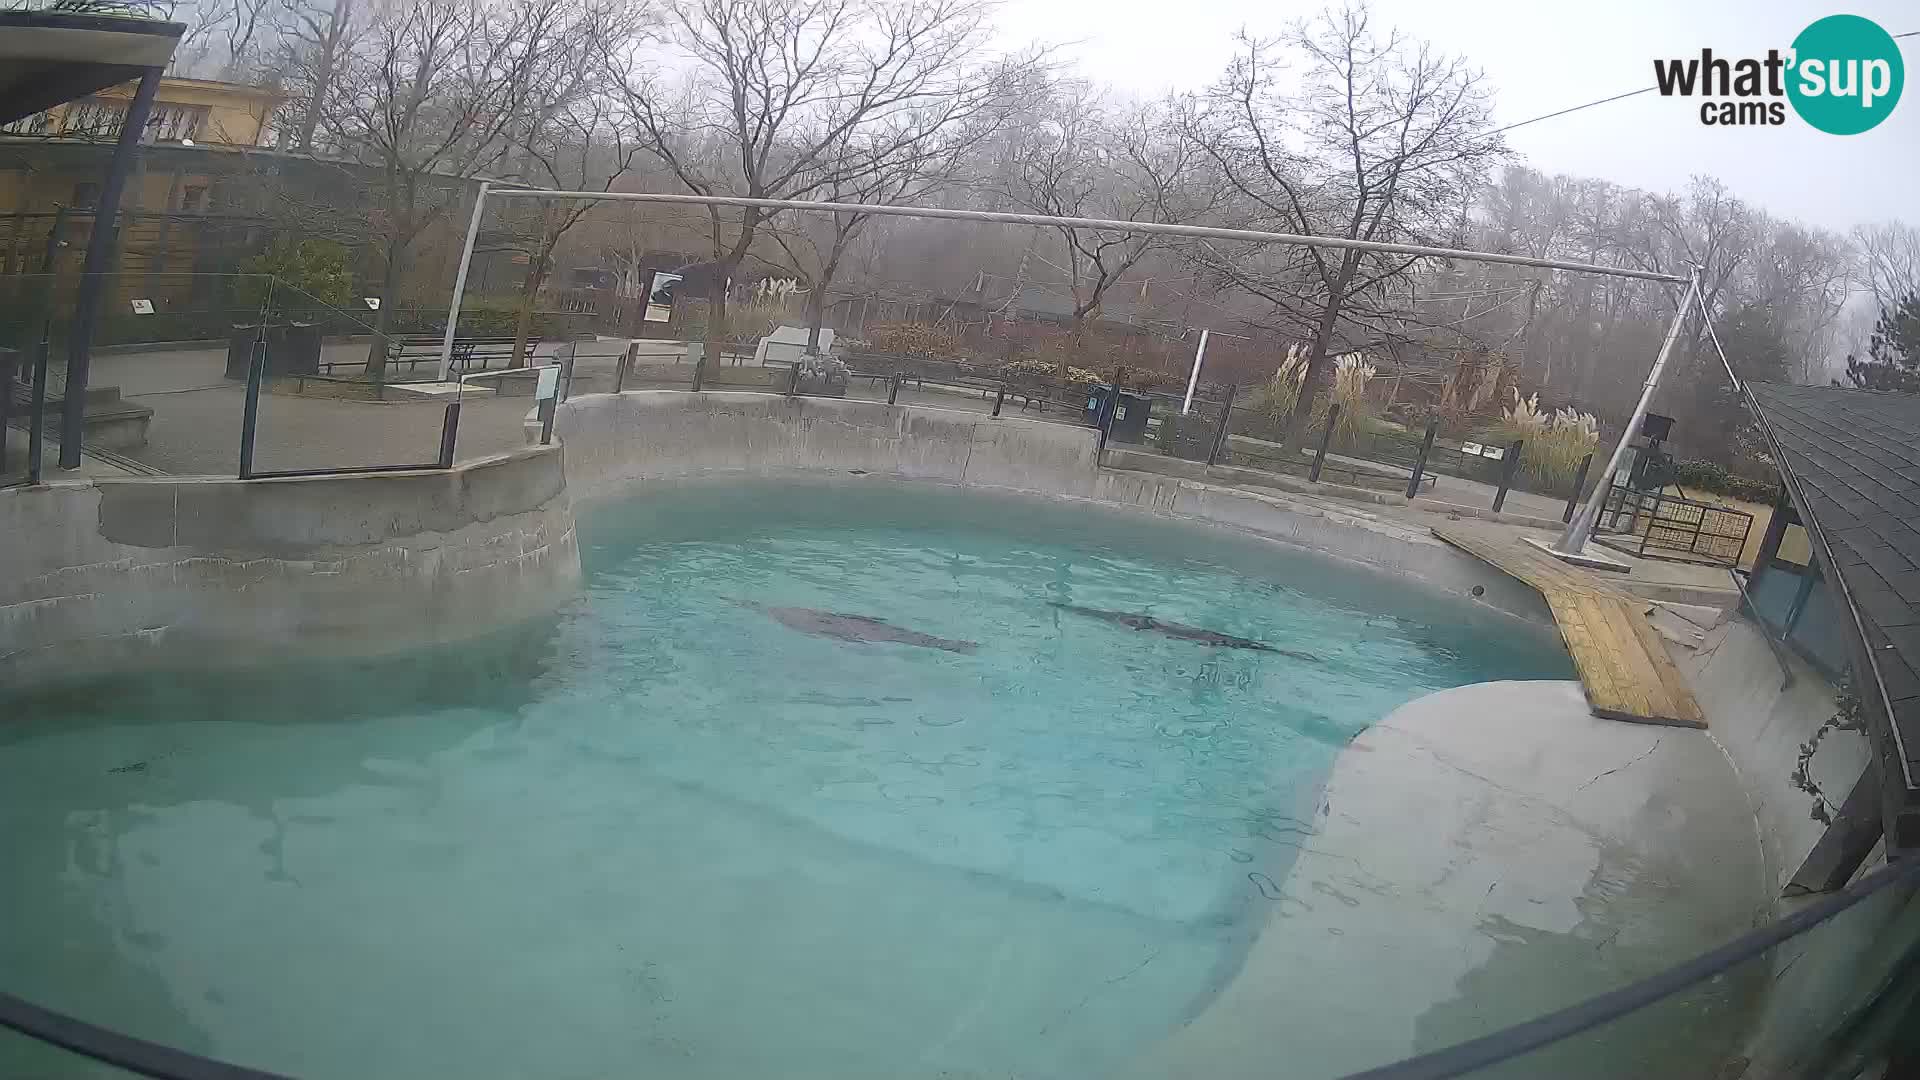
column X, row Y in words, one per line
column 1140, row 621
column 843, row 627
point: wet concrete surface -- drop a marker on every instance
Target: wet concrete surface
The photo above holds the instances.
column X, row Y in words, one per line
column 1481, row 857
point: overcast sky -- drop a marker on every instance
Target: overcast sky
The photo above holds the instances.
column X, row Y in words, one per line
column 1543, row 55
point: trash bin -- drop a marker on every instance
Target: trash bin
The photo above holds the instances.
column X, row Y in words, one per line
column 292, row 349
column 297, row 350
column 1129, row 417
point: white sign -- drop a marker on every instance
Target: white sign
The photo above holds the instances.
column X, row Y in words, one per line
column 372, row 302
column 143, row 307
column 660, row 297
column 549, row 384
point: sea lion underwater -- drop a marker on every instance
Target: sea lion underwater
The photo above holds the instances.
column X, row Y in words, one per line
column 843, row 627
column 1141, row 621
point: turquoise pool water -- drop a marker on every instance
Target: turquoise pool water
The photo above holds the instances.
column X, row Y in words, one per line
column 673, row 833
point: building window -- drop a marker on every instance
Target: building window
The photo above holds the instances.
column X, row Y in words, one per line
column 174, row 123
column 193, row 198
column 40, row 123
column 86, row 195
column 93, row 118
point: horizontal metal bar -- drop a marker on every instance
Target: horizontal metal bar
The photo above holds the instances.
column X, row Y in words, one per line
column 429, row 466
column 1051, row 221
column 115, row 1048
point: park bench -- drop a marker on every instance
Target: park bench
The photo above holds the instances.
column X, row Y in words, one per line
column 469, row 354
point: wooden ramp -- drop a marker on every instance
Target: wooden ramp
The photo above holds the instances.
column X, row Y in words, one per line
column 1622, row 662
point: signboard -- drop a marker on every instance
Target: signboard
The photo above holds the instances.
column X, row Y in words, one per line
column 548, row 387
column 372, row 302
column 660, row 297
column 143, row 307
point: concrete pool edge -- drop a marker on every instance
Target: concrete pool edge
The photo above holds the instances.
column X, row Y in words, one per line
column 618, row 444
column 110, row 576
column 1502, row 849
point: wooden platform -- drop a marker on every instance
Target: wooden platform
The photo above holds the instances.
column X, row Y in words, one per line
column 1623, row 663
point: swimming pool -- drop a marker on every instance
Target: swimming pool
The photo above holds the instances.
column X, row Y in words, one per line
column 711, row 821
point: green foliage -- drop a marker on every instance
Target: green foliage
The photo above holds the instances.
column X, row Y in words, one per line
column 1713, row 477
column 297, row 275
column 1893, row 353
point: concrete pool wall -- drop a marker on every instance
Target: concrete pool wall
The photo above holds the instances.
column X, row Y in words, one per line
column 1504, row 850
column 103, row 576
column 618, row 442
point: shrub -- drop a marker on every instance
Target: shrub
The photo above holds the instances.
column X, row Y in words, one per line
column 1554, row 442
column 913, row 339
column 1043, row 369
column 295, row 275
column 1713, row 477
column 1351, row 373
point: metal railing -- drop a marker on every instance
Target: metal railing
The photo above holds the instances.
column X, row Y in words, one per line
column 1656, row 525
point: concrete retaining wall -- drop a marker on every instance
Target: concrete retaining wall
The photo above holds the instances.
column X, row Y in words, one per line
column 1789, row 765
column 106, row 576
column 618, row 442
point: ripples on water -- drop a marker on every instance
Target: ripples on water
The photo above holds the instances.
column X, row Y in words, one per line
column 664, row 834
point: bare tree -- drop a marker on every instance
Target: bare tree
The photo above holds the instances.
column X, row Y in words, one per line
column 221, row 36
column 779, row 88
column 1087, row 157
column 422, row 103
column 570, row 136
column 1381, row 142
column 319, row 36
column 1889, row 261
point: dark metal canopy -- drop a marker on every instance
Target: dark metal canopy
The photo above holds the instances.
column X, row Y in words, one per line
column 66, row 51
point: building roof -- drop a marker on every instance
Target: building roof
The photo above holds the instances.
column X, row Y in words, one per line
column 1851, row 461
column 48, row 57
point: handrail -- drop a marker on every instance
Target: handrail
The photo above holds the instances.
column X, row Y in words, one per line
column 162, row 1062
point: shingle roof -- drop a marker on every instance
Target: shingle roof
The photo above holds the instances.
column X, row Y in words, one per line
column 1852, row 462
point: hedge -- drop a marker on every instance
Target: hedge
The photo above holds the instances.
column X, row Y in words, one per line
column 1713, row 477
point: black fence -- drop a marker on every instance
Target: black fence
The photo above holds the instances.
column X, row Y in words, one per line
column 1656, row 525
column 23, row 409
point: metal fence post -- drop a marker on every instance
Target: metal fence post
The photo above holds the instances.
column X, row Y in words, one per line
column 1420, row 463
column 893, row 388
column 1579, row 482
column 626, row 365
column 1507, row 470
column 37, row 405
column 250, row 414
column 1112, row 409
column 999, row 398
column 8, row 376
column 1326, row 436
column 1221, row 433
column 449, row 431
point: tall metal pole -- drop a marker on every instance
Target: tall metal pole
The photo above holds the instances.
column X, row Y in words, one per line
column 101, row 248
column 1138, row 228
column 1581, row 528
column 460, row 283
column 1193, row 377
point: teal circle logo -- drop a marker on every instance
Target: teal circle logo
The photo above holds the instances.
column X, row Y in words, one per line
column 1846, row 74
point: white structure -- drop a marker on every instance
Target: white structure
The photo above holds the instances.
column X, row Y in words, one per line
column 787, row 344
